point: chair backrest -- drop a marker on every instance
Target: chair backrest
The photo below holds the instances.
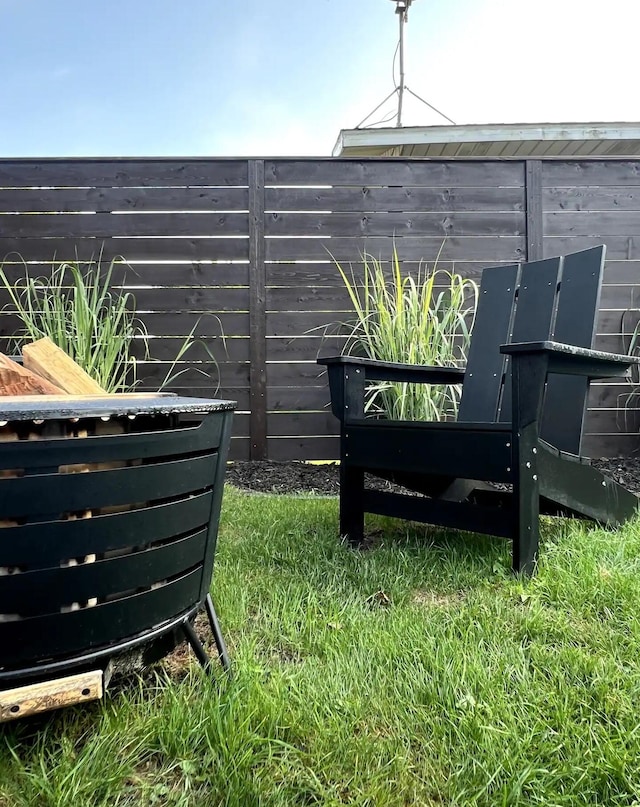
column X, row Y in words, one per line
column 556, row 298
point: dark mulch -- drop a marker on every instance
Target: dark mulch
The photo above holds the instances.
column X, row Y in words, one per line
column 298, row 477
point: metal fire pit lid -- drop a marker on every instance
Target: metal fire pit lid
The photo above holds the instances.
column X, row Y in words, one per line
column 53, row 407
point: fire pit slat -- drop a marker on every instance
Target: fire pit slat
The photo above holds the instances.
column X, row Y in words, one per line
column 91, row 627
column 45, row 591
column 115, row 531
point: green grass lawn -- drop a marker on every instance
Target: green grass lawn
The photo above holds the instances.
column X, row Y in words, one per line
column 419, row 672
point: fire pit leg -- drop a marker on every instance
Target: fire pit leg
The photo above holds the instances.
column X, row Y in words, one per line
column 196, row 644
column 217, row 633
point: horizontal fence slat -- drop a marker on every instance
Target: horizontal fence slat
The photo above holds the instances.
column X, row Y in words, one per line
column 609, row 445
column 326, row 273
column 623, row 197
column 298, row 398
column 68, row 200
column 601, row 224
column 201, row 349
column 369, row 199
column 138, row 274
column 194, row 298
column 285, row 449
column 577, row 173
column 302, row 424
column 84, row 249
column 107, row 225
column 303, row 348
column 402, row 173
column 619, row 247
column 414, row 248
column 221, row 374
column 72, row 173
column 311, row 298
column 383, row 224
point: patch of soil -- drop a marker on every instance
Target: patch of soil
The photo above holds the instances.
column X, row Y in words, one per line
column 299, row 477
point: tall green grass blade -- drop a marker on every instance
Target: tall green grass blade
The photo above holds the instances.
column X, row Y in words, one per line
column 421, row 318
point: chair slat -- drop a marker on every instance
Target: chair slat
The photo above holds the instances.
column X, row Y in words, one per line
column 534, row 313
column 578, row 304
column 485, row 365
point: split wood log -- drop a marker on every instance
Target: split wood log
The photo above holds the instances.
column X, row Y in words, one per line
column 18, row 380
column 51, row 362
column 42, row 697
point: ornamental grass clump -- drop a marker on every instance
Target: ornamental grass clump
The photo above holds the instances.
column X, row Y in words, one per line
column 77, row 309
column 422, row 318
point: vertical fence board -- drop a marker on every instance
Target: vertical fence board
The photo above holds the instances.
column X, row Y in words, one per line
column 533, row 190
column 257, row 313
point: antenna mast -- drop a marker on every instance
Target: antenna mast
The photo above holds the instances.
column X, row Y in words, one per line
column 402, row 8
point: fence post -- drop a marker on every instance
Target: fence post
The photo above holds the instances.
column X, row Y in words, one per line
column 257, row 315
column 533, row 209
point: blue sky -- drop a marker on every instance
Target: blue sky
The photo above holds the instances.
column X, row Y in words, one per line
column 278, row 77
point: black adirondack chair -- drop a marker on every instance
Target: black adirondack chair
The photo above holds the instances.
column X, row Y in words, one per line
column 520, row 419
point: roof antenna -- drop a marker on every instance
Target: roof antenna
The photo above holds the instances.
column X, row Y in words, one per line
column 402, row 9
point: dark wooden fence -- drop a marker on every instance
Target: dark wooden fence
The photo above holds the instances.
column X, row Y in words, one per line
column 240, row 249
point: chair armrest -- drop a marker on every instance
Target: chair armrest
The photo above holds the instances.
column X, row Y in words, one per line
column 572, row 360
column 348, row 376
column 375, row 370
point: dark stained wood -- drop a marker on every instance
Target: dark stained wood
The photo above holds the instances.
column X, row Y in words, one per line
column 307, row 424
column 285, row 449
column 401, row 173
column 599, row 223
column 303, row 348
column 257, row 311
column 369, row 199
column 413, row 248
column 612, row 395
column 140, row 274
column 479, row 204
column 615, row 421
column 105, row 225
column 575, row 173
column 192, row 299
column 306, row 398
column 84, row 249
column 167, row 349
column 326, row 273
column 609, row 445
column 296, row 323
column 69, row 200
column 200, row 374
column 617, row 198
column 622, row 272
column 311, row 298
column 383, row 224
column 619, row 247
column 73, row 173
column 534, row 223
column 284, row 374
column 239, row 449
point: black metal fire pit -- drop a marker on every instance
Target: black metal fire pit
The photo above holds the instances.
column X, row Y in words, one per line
column 109, row 510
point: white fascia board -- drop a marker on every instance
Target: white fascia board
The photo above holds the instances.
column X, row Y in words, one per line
column 482, row 133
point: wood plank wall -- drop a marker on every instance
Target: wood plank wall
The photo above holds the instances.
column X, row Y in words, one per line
column 241, row 247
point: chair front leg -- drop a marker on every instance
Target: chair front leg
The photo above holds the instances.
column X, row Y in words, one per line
column 528, row 379
column 351, row 501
